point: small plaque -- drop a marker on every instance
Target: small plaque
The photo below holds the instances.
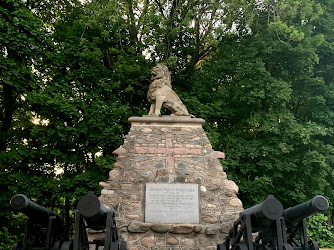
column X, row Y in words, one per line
column 171, row 203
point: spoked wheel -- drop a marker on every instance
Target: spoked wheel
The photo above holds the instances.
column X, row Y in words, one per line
column 241, row 246
column 313, row 245
column 221, row 246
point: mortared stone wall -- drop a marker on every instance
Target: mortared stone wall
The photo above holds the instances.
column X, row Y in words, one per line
column 170, row 149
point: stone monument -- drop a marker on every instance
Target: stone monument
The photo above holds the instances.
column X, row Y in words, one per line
column 168, row 186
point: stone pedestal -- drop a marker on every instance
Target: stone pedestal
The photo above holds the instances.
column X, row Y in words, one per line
column 170, row 150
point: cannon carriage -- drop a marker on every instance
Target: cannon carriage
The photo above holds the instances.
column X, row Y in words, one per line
column 276, row 229
column 92, row 214
column 44, row 228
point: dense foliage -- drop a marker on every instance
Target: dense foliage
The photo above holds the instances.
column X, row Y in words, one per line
column 320, row 231
column 71, row 73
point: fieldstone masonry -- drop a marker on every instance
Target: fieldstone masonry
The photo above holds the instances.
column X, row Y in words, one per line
column 170, row 149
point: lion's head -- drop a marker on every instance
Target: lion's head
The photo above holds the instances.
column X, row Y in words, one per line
column 160, row 71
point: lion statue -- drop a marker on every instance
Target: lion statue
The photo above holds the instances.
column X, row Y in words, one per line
column 160, row 93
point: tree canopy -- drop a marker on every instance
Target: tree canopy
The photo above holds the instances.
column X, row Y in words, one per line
column 72, row 72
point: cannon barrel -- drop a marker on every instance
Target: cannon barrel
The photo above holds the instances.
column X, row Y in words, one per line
column 35, row 212
column 301, row 211
column 262, row 215
column 93, row 210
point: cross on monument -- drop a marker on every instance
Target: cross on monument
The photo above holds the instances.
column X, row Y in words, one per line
column 170, row 150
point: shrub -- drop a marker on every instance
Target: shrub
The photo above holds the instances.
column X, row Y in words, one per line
column 320, row 231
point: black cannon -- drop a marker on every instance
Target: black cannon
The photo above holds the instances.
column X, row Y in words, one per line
column 276, row 229
column 92, row 214
column 44, row 228
column 263, row 219
column 294, row 223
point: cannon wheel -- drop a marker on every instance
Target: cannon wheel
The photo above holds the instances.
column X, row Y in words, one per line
column 221, row 246
column 287, row 247
column 241, row 246
column 68, row 245
column 313, row 245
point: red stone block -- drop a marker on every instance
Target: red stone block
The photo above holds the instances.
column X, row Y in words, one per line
column 170, row 151
column 169, row 142
column 170, row 161
column 141, row 150
column 153, row 150
column 179, row 151
column 161, row 150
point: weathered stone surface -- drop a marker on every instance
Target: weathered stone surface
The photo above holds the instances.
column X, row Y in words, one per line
column 212, row 187
column 205, row 240
column 111, row 200
column 132, row 238
column 220, row 174
column 216, row 155
column 197, row 229
column 148, row 241
column 107, row 192
column 210, row 219
column 177, row 248
column 211, row 230
column 136, row 248
column 160, row 242
column 231, row 185
column 114, row 174
column 103, row 184
column 133, row 217
column 172, row 241
column 160, row 247
column 137, row 227
column 211, row 248
column 119, row 151
column 228, row 218
column 126, row 186
column 230, row 193
column 182, row 229
column 189, row 243
column 170, row 150
column 117, row 165
column 161, row 172
column 160, row 228
column 235, row 202
column 211, row 205
column 159, row 165
column 147, row 130
column 132, row 207
column 225, row 228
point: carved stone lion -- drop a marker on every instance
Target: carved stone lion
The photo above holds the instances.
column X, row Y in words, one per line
column 160, row 93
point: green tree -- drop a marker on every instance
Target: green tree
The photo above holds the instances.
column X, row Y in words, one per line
column 260, row 74
column 22, row 44
column 320, row 231
column 263, row 97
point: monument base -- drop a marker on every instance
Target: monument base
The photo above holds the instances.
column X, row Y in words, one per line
column 195, row 204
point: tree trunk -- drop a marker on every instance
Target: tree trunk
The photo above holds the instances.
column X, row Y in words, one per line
column 7, row 116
